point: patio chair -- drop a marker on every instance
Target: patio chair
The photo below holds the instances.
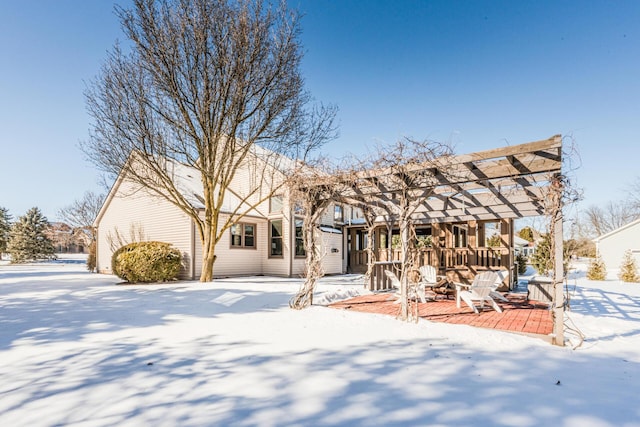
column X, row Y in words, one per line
column 501, row 276
column 413, row 290
column 429, row 280
column 481, row 290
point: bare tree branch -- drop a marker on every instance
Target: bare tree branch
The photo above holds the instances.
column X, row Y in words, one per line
column 214, row 85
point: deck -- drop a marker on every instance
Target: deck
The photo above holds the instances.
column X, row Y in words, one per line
column 519, row 315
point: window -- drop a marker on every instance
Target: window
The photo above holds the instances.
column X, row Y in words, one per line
column 337, row 214
column 275, row 204
column 300, row 252
column 423, row 237
column 243, row 235
column 459, row 236
column 275, row 237
column 492, row 234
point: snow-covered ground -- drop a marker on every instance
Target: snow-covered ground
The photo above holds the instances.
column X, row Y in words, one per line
column 77, row 349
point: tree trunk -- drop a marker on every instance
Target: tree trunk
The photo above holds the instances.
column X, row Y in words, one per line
column 208, row 255
column 404, row 245
column 304, row 297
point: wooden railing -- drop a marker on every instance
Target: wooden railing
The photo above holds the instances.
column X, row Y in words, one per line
column 378, row 280
column 449, row 258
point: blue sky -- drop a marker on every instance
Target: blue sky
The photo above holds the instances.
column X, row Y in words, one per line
column 480, row 74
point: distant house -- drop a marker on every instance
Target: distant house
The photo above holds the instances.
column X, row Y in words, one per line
column 67, row 239
column 612, row 246
column 267, row 241
column 523, row 246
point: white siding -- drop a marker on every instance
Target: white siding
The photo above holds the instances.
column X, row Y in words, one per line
column 331, row 261
column 280, row 266
column 241, row 261
column 160, row 220
column 131, row 213
column 613, row 247
column 327, row 215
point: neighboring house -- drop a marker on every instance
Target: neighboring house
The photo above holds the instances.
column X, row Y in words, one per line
column 267, row 241
column 612, row 246
column 523, row 246
column 68, row 240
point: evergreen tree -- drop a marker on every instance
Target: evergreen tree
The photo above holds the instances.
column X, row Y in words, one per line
column 28, row 241
column 597, row 269
column 521, row 261
column 541, row 258
column 5, row 228
column 628, row 268
column 494, row 241
column 526, row 233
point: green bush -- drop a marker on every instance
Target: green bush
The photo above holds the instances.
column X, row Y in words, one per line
column 521, row 260
column 146, row 262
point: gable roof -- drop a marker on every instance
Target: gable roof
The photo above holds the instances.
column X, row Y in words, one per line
column 188, row 182
column 616, row 231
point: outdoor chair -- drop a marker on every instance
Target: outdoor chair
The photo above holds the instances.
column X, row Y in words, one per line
column 501, row 276
column 414, row 291
column 481, row 290
column 429, row 280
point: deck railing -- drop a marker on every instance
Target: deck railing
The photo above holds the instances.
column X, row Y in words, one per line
column 449, row 259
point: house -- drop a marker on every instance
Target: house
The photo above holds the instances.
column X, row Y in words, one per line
column 481, row 195
column 67, row 239
column 266, row 241
column 612, row 246
column 523, row 246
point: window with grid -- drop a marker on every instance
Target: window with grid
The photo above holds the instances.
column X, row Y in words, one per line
column 243, row 235
column 275, row 238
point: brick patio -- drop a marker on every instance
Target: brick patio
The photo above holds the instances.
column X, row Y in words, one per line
column 519, row 315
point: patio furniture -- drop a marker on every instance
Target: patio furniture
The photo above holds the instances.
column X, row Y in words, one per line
column 437, row 284
column 414, row 291
column 482, row 290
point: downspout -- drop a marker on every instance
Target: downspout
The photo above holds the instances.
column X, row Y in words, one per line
column 193, row 249
column 292, row 237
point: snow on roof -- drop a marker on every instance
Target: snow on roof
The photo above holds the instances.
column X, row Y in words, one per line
column 328, row 229
column 519, row 241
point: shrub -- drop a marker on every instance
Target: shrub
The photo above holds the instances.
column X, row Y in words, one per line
column 521, row 260
column 541, row 258
column 146, row 262
column 628, row 268
column 597, row 269
column 91, row 258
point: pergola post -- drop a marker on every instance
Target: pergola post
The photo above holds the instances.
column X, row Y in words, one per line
column 558, row 279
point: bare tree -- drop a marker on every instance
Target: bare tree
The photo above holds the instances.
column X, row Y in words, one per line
column 602, row 220
column 312, row 190
column 634, row 195
column 211, row 84
column 395, row 181
column 82, row 212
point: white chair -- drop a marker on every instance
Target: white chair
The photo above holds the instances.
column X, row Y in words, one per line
column 481, row 290
column 413, row 291
column 428, row 280
column 428, row 275
column 500, row 277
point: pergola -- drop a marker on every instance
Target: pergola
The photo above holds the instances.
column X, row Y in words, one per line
column 501, row 184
